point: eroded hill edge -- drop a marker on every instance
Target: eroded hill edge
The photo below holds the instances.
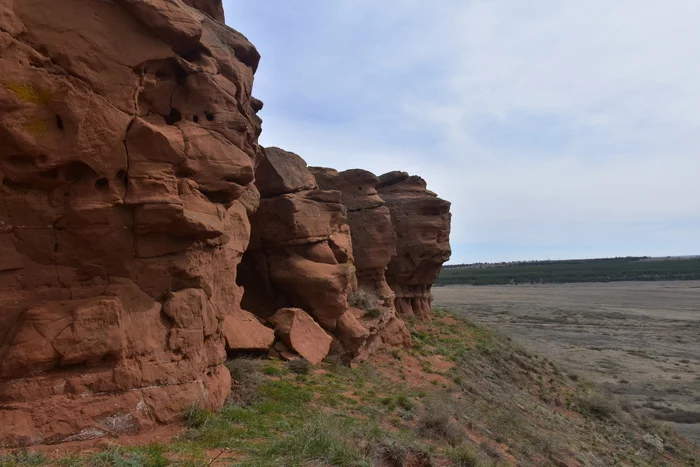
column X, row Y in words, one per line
column 145, row 234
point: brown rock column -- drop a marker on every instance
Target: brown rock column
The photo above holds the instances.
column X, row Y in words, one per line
column 373, row 243
column 301, row 252
column 421, row 221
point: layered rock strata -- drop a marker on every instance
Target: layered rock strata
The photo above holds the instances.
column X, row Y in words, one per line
column 301, row 252
column 128, row 144
column 374, row 245
column 421, row 222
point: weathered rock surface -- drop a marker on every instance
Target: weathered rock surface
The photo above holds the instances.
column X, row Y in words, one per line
column 213, row 8
column 300, row 254
column 421, row 221
column 302, row 334
column 373, row 244
column 144, row 233
column 128, row 135
column 243, row 332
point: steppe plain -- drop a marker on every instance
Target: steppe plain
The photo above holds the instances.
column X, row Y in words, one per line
column 637, row 340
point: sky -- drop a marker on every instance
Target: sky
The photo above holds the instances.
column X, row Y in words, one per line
column 557, row 129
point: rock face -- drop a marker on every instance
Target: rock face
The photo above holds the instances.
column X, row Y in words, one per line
column 374, row 245
column 302, row 334
column 421, row 221
column 144, row 233
column 126, row 171
column 300, row 255
column 213, row 8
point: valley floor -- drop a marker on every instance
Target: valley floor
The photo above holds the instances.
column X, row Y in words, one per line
column 637, row 339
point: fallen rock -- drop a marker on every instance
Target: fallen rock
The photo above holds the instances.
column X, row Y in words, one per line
column 302, row 334
column 244, row 332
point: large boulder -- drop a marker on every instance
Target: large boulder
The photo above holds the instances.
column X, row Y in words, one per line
column 281, row 172
column 243, row 332
column 302, row 334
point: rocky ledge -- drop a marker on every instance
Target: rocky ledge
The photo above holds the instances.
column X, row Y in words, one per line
column 145, row 236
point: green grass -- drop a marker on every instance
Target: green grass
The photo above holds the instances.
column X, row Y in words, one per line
column 22, row 458
column 464, row 457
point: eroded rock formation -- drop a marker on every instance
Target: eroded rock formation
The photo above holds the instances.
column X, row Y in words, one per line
column 144, row 233
column 421, row 221
column 301, row 252
column 128, row 141
column 374, row 245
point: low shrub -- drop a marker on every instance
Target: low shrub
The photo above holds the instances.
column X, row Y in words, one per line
column 22, row 458
column 592, row 403
column 300, row 366
column 273, row 370
column 247, row 377
column 321, row 441
column 363, row 299
column 463, row 457
column 195, row 416
column 374, row 313
column 436, row 421
column 399, row 453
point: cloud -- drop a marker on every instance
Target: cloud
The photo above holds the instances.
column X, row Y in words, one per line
column 557, row 129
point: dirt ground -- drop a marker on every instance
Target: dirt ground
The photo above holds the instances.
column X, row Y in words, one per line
column 636, row 339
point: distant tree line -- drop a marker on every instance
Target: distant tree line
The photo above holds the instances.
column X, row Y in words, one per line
column 631, row 268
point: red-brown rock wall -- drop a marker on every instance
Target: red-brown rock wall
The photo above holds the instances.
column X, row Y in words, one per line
column 421, row 221
column 128, row 141
column 373, row 244
column 144, row 233
column 301, row 252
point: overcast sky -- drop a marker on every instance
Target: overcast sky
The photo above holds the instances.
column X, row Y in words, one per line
column 557, row 128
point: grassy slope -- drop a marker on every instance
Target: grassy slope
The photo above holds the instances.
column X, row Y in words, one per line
column 462, row 396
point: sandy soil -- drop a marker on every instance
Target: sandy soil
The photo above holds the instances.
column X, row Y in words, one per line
column 637, row 339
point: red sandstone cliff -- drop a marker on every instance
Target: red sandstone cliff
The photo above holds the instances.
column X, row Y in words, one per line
column 421, row 221
column 137, row 212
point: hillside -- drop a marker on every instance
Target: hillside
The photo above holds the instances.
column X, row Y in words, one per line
column 569, row 271
column 462, row 396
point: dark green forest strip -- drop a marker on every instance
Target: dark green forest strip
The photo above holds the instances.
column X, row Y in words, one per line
column 568, row 271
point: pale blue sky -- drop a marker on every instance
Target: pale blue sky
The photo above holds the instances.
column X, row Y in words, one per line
column 558, row 129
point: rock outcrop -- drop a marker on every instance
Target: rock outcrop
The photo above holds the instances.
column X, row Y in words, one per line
column 128, row 145
column 300, row 255
column 421, row 221
column 374, row 245
column 213, row 8
column 144, row 234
